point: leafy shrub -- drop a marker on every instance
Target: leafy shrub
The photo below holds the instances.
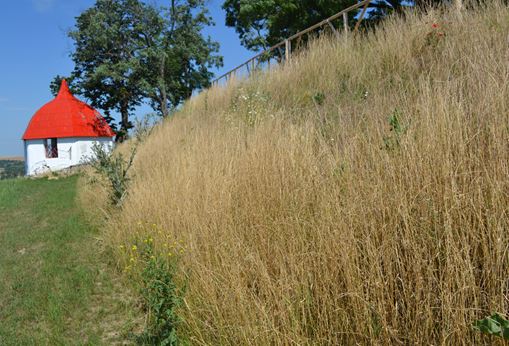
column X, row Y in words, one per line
column 161, row 299
column 114, row 168
column 493, row 325
column 151, row 261
column 11, row 169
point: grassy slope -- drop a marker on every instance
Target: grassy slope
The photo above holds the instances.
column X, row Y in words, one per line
column 54, row 287
column 309, row 220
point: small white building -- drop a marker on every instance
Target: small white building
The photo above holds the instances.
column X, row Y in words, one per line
column 61, row 134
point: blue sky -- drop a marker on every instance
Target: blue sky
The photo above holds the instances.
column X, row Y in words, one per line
column 34, row 49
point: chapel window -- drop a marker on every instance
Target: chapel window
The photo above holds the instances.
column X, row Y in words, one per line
column 50, row 146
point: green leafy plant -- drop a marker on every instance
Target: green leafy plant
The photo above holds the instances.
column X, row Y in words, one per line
column 319, row 98
column 161, row 299
column 397, row 130
column 376, row 323
column 114, row 168
column 154, row 273
column 495, row 324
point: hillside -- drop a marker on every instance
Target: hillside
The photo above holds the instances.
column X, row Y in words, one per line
column 357, row 195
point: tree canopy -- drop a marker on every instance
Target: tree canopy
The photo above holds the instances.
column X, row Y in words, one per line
column 126, row 52
column 177, row 57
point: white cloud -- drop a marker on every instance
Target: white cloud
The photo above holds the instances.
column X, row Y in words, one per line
column 43, row 5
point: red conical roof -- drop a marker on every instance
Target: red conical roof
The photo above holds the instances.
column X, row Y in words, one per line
column 66, row 116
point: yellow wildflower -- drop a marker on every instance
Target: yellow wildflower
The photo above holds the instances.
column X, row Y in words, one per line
column 134, row 248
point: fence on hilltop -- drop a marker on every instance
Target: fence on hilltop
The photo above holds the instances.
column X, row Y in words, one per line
column 282, row 51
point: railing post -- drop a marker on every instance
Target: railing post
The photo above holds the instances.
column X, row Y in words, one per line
column 458, row 4
column 361, row 17
column 288, row 50
column 334, row 31
column 345, row 22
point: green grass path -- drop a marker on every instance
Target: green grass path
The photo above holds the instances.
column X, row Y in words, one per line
column 54, row 286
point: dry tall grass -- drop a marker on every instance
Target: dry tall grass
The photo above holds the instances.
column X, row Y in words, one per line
column 303, row 227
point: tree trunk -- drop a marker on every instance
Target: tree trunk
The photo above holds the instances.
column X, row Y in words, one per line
column 162, row 88
column 124, row 123
column 164, row 102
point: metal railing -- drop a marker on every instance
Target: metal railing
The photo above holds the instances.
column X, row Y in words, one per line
column 278, row 54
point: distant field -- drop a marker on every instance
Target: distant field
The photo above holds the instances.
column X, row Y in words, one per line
column 11, row 158
column 11, row 167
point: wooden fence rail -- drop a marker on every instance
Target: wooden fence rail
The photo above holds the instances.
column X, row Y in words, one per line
column 283, row 50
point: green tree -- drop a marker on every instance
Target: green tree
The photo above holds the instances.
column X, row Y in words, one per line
column 127, row 51
column 57, row 82
column 106, row 56
column 177, row 57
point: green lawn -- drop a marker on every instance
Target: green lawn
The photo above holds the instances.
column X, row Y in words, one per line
column 55, row 288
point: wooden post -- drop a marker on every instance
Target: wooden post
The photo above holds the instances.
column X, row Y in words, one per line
column 297, row 44
column 345, row 22
column 361, row 17
column 458, row 4
column 334, row 31
column 288, row 50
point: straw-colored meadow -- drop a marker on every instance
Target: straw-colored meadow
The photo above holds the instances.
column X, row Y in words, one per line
column 357, row 195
